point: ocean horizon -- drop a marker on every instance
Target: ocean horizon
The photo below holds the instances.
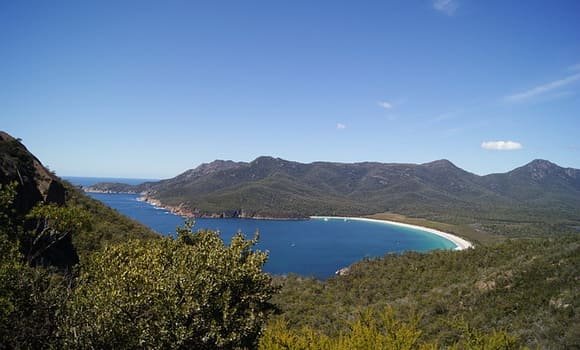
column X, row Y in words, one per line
column 86, row 181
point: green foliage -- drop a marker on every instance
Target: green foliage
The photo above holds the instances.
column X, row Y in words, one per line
column 376, row 330
column 471, row 338
column 8, row 218
column 35, row 297
column 9, row 256
column 9, row 271
column 105, row 225
column 43, row 233
column 57, row 221
column 30, row 298
column 191, row 292
column 53, row 224
column 197, row 292
column 31, row 301
column 526, row 287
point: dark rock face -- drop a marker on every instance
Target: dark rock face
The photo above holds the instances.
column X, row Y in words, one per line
column 35, row 184
column 56, row 193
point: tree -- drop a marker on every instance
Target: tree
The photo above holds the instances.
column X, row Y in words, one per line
column 54, row 227
column 379, row 330
column 190, row 292
column 9, row 227
column 30, row 298
column 43, row 233
column 370, row 330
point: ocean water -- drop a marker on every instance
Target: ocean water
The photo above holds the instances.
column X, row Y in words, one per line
column 88, row 181
column 312, row 247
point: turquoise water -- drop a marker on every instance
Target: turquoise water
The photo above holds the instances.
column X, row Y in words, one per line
column 307, row 247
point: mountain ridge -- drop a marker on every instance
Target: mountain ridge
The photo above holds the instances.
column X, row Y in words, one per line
column 278, row 188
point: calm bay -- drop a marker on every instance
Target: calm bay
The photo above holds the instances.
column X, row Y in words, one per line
column 314, row 247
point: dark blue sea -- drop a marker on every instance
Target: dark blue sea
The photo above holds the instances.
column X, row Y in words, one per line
column 312, row 247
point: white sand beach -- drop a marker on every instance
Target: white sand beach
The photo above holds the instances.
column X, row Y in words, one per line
column 458, row 241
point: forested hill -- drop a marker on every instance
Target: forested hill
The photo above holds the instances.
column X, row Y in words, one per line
column 35, row 185
column 439, row 190
column 180, row 293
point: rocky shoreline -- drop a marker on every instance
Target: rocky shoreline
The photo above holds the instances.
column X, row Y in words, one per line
column 185, row 212
column 180, row 210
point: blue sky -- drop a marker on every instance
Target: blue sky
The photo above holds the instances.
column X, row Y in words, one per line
column 152, row 88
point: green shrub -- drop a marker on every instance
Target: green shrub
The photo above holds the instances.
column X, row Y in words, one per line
column 190, row 292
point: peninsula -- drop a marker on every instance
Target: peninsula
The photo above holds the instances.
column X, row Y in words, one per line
column 506, row 203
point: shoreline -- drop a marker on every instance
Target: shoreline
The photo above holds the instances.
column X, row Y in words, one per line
column 460, row 243
column 186, row 213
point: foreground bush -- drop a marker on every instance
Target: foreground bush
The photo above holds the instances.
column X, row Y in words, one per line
column 377, row 331
column 190, row 292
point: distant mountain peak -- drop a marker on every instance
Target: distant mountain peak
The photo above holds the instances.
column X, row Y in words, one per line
column 273, row 187
column 267, row 159
column 269, row 162
column 541, row 163
column 212, row 167
column 440, row 163
column 540, row 169
column 218, row 163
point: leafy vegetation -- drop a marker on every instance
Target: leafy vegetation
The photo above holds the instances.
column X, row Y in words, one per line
column 128, row 291
column 378, row 330
column 30, row 297
column 190, row 292
column 33, row 185
column 526, row 287
column 105, row 225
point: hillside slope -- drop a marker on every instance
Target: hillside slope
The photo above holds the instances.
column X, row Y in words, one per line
column 35, row 184
column 528, row 287
column 539, row 193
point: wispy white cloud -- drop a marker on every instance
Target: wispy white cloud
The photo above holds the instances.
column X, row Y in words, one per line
column 501, row 145
column 447, row 7
column 340, row 126
column 542, row 89
column 385, row 104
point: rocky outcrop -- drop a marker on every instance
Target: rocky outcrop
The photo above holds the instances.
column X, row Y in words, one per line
column 34, row 184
